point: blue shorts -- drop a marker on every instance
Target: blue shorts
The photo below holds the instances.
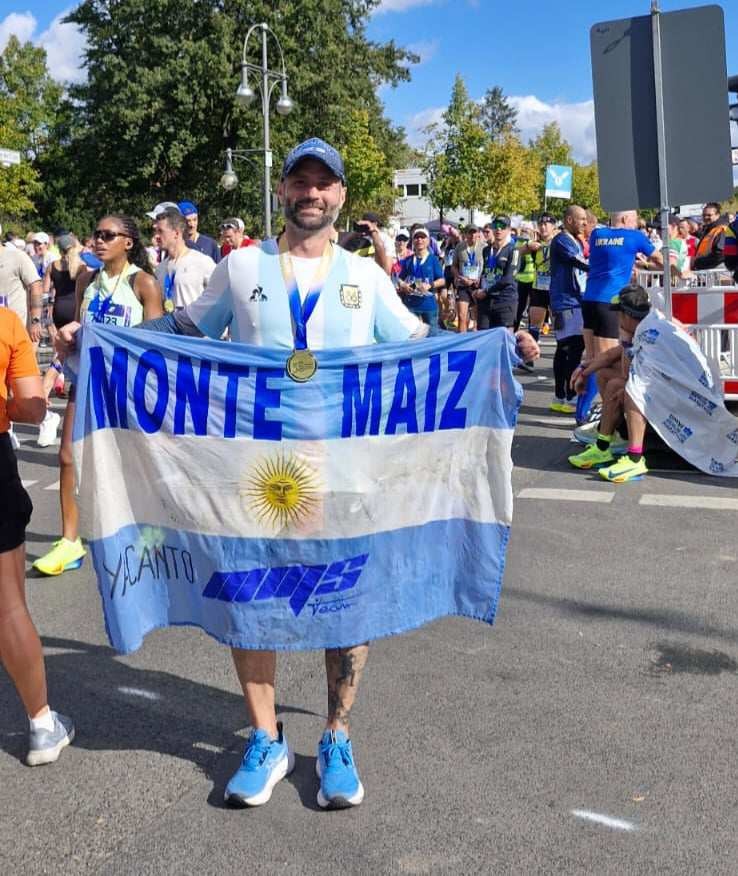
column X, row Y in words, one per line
column 568, row 323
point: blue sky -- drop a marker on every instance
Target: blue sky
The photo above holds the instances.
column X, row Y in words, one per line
column 538, row 52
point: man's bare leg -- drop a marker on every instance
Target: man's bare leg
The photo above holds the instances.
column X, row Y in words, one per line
column 343, row 668
column 612, row 405
column 599, row 346
column 462, row 308
column 256, row 672
column 636, row 424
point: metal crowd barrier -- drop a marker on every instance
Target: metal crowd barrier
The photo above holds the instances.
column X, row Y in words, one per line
column 707, row 303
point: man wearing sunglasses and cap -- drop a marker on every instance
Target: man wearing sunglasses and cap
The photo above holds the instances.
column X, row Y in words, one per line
column 233, row 236
column 193, row 238
column 497, row 299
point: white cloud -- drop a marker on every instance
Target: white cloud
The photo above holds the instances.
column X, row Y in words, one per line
column 416, row 124
column 576, row 121
column 425, row 49
column 20, row 24
column 64, row 43
column 400, row 5
column 65, row 46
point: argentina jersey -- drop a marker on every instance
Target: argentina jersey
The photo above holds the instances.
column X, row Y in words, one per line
column 358, row 304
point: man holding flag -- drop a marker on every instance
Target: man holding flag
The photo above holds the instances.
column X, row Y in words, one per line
column 299, row 294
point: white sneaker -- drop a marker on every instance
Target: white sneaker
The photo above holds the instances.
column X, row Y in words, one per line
column 587, row 434
column 14, row 442
column 47, row 429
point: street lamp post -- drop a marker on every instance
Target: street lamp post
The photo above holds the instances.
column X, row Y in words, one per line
column 245, row 95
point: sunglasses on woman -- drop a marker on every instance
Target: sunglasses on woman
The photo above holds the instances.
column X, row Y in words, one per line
column 107, row 235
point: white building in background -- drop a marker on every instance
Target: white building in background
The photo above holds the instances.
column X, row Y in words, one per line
column 412, row 204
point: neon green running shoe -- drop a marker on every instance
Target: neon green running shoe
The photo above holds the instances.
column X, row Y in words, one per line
column 624, row 470
column 592, row 457
column 63, row 556
column 562, row 407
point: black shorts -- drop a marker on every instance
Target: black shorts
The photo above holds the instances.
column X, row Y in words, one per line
column 465, row 293
column 603, row 322
column 493, row 314
column 539, row 298
column 14, row 500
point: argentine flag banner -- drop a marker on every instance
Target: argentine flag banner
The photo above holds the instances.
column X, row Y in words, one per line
column 217, row 492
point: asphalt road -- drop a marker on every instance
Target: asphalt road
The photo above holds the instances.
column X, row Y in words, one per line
column 591, row 730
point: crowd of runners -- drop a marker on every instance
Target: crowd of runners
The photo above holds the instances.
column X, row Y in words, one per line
column 573, row 278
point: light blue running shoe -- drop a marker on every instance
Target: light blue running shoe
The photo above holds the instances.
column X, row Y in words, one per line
column 265, row 762
column 339, row 781
column 45, row 746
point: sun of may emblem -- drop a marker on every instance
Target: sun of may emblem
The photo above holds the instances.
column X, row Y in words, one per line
column 280, row 490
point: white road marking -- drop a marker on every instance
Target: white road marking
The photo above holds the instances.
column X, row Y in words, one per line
column 548, row 421
column 27, row 484
column 139, row 692
column 605, row 820
column 54, row 486
column 710, row 503
column 566, row 495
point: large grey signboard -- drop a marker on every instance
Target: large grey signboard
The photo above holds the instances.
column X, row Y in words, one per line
column 695, row 108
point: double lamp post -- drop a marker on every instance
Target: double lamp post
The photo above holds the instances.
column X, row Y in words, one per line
column 266, row 81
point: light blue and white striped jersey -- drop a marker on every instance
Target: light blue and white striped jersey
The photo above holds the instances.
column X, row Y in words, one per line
column 358, row 306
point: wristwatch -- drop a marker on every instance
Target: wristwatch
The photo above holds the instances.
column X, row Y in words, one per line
column 35, row 320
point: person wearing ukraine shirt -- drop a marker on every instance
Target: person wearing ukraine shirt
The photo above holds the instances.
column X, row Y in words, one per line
column 421, row 276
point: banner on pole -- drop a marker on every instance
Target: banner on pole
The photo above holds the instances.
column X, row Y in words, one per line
column 558, row 181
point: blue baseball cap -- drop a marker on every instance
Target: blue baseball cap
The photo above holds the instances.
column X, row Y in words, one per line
column 321, row 151
column 187, row 208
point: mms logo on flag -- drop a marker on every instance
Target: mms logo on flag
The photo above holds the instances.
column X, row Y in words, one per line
column 296, row 583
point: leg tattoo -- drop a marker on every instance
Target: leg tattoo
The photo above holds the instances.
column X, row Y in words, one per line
column 344, row 667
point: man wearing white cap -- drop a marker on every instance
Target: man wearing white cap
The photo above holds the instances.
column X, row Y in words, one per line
column 20, row 285
column 232, row 235
column 421, row 278
column 41, row 258
column 161, row 208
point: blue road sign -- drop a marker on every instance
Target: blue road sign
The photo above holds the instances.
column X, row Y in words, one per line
column 558, row 181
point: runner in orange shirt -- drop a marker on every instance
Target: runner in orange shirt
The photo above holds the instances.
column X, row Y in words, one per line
column 22, row 400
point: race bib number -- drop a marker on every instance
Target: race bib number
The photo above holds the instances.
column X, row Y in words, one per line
column 543, row 282
column 107, row 314
column 471, row 272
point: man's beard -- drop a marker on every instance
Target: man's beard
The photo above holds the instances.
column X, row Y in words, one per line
column 312, row 223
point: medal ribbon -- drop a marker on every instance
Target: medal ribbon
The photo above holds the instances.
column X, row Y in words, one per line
column 169, row 285
column 302, row 311
column 105, row 301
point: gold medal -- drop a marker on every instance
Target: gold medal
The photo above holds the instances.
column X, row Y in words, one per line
column 301, row 366
column 169, row 305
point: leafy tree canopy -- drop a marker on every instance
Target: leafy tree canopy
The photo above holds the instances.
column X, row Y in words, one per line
column 157, row 111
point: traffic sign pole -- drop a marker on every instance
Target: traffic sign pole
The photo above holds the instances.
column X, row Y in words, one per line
column 658, row 81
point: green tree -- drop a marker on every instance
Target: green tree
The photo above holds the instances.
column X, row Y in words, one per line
column 368, row 175
column 498, row 118
column 586, row 188
column 157, row 111
column 456, row 147
column 510, row 175
column 28, row 106
column 550, row 147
